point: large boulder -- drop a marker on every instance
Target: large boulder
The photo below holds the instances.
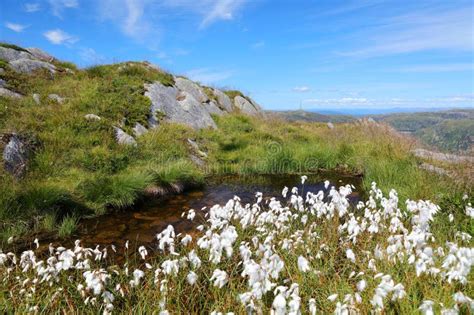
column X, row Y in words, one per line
column 245, row 106
column 192, row 88
column 15, row 156
column 9, row 54
column 223, row 100
column 25, row 65
column 40, row 54
column 175, row 106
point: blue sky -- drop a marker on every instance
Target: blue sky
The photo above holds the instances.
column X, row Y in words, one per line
column 318, row 54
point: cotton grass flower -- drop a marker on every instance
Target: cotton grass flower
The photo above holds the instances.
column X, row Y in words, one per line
column 303, row 264
column 219, row 277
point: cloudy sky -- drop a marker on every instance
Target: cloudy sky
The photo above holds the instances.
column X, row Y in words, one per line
column 284, row 53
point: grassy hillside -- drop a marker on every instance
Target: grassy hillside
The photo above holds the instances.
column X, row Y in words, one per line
column 299, row 115
column 450, row 131
column 77, row 168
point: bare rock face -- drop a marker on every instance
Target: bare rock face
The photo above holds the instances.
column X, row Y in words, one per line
column 40, row 54
column 15, row 156
column 25, row 65
column 212, row 108
column 192, row 88
column 26, row 61
column 180, row 107
column 223, row 100
column 9, row 54
column 124, row 138
column 245, row 106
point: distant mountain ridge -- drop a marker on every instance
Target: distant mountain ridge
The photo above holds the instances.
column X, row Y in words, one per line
column 446, row 130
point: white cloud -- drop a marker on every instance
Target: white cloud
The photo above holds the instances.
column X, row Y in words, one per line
column 221, row 10
column 433, row 29
column 208, row 76
column 455, row 67
column 57, row 6
column 210, row 11
column 259, row 44
column 15, row 27
column 301, row 89
column 339, row 101
column 32, row 7
column 59, row 37
column 133, row 18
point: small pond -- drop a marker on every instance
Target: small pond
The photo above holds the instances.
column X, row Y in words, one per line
column 141, row 223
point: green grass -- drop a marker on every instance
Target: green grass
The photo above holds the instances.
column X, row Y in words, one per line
column 67, row 226
column 77, row 167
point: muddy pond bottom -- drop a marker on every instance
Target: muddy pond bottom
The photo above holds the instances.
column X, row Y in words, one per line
column 141, row 223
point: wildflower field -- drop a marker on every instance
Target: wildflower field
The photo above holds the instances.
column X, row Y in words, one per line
column 305, row 252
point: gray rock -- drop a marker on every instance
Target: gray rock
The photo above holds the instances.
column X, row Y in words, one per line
column 3, row 83
column 37, row 98
column 124, row 138
column 56, row 98
column 330, row 125
column 92, row 117
column 371, row 120
column 25, row 65
column 9, row 54
column 8, row 93
column 2, row 71
column 245, row 106
column 192, row 88
column 163, row 100
column 15, row 156
column 178, row 107
column 224, row 101
column 212, row 108
column 139, row 130
column 40, row 54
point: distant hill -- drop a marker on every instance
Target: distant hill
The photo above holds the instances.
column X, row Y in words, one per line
column 299, row 115
column 447, row 130
column 450, row 130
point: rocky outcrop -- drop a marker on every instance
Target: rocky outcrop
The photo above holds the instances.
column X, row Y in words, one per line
column 15, row 156
column 223, row 100
column 245, row 106
column 27, row 61
column 176, row 106
column 25, row 65
column 189, row 104
column 192, row 88
column 40, row 54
